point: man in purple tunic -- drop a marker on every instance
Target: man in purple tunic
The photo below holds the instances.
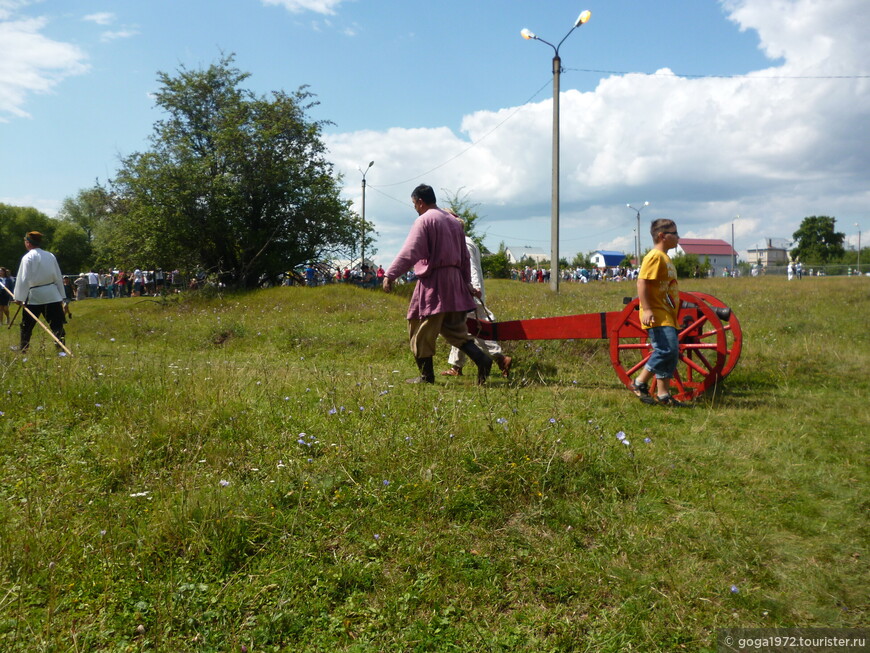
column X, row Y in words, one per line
column 436, row 250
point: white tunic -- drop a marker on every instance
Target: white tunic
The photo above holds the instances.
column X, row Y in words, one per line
column 39, row 279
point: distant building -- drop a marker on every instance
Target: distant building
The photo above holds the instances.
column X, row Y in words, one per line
column 517, row 254
column 773, row 252
column 719, row 253
column 606, row 259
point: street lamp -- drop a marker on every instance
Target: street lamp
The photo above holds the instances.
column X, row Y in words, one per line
column 645, row 204
column 582, row 19
column 363, row 243
column 733, row 251
column 859, row 250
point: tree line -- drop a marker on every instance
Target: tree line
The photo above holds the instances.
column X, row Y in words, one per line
column 231, row 182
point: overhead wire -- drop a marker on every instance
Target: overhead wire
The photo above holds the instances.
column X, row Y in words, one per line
column 606, row 72
column 673, row 74
column 474, row 143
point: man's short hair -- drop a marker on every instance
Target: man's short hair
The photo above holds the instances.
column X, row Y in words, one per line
column 425, row 194
column 34, row 238
column 659, row 226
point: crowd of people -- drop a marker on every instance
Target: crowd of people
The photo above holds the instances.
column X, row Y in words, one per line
column 529, row 274
column 109, row 284
column 319, row 275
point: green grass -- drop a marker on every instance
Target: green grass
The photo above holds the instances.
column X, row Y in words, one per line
column 155, row 495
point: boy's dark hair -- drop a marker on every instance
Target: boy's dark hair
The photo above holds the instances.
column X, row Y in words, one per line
column 658, row 227
column 424, row 193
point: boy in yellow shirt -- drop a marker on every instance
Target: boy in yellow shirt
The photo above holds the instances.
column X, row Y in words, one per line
column 659, row 308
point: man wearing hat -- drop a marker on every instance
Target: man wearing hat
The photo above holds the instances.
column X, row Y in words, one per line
column 40, row 287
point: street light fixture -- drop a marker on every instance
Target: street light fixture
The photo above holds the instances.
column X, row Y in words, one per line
column 363, row 242
column 645, row 204
column 582, row 19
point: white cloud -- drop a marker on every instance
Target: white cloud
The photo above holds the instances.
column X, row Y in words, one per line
column 31, row 62
column 773, row 146
column 118, row 34
column 299, row 6
column 102, row 18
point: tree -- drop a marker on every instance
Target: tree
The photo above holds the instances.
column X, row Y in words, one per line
column 89, row 209
column 232, row 182
column 459, row 203
column 66, row 241
column 817, row 242
column 581, row 260
column 497, row 266
column 687, row 265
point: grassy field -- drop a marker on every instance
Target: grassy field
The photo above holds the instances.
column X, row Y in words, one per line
column 251, row 473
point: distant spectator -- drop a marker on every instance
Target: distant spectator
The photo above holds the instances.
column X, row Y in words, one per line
column 7, row 282
column 93, row 285
column 81, row 284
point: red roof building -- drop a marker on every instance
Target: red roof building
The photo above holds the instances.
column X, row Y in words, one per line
column 720, row 254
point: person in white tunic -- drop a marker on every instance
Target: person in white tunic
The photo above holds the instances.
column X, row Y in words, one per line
column 457, row 357
column 39, row 287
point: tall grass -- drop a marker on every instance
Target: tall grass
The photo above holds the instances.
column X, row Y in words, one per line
column 250, row 472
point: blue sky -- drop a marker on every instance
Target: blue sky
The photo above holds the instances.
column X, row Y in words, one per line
column 449, row 94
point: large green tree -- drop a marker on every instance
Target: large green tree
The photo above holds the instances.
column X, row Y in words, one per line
column 65, row 240
column 817, row 241
column 232, row 182
column 89, row 209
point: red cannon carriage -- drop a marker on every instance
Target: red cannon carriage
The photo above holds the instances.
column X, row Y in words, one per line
column 709, row 336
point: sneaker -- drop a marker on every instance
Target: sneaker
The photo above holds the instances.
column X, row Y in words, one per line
column 641, row 391
column 668, row 400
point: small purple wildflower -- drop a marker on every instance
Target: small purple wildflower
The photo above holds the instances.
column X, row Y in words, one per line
column 386, row 482
column 552, row 420
column 647, row 440
column 377, row 536
column 332, row 411
column 501, row 420
column 734, row 589
column 620, row 435
column 224, row 483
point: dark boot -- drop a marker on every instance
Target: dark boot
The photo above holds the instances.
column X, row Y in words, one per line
column 483, row 362
column 427, row 371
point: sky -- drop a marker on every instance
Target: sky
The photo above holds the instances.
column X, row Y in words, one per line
column 706, row 109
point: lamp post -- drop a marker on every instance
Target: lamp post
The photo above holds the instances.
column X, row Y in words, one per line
column 733, row 251
column 645, row 204
column 859, row 250
column 363, row 241
column 582, row 19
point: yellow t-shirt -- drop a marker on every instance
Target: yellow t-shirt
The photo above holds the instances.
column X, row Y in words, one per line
column 658, row 268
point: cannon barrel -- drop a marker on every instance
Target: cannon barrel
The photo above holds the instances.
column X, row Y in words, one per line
column 722, row 312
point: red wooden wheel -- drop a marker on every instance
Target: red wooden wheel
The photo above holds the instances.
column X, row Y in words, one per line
column 703, row 347
column 733, row 333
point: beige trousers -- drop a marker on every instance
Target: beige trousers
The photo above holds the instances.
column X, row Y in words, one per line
column 423, row 333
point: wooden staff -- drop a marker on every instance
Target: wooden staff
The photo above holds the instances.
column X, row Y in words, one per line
column 40, row 323
column 14, row 317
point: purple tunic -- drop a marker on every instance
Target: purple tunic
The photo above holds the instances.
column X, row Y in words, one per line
column 436, row 250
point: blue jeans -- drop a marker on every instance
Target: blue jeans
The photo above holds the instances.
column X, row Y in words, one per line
column 665, row 351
